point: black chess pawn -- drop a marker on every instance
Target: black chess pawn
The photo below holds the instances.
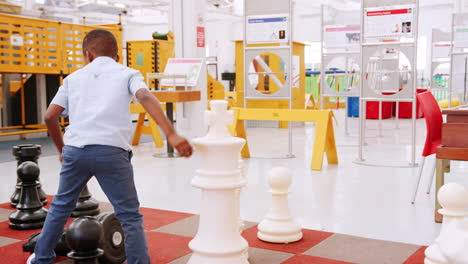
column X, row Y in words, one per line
column 22, row 153
column 29, row 213
column 86, row 206
column 83, row 237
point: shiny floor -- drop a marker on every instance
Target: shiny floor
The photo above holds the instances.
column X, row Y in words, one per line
column 348, row 198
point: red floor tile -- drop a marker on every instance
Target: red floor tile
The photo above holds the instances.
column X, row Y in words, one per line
column 13, row 254
column 154, row 218
column 6, row 231
column 417, row 257
column 304, row 259
column 6, row 206
column 49, row 200
column 310, row 239
column 165, row 248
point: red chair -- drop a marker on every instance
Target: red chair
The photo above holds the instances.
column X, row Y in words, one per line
column 433, row 116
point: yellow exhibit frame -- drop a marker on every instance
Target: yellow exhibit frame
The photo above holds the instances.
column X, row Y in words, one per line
column 140, row 129
column 324, row 132
column 38, row 46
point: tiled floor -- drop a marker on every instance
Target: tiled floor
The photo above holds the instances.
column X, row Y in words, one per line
column 347, row 198
column 169, row 244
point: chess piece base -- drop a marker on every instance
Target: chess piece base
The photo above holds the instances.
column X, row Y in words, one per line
column 199, row 258
column 279, row 231
column 24, row 220
column 86, row 207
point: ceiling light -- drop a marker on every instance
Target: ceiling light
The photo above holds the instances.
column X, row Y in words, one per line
column 41, row 2
column 102, row 2
column 120, row 5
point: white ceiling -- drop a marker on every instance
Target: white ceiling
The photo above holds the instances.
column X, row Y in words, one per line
column 157, row 11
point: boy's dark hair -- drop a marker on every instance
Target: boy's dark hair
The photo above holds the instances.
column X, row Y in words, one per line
column 101, row 42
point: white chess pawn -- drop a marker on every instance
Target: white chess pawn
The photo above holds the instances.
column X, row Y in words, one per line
column 450, row 246
column 279, row 226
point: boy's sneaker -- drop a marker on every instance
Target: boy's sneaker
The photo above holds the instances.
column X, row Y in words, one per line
column 30, row 259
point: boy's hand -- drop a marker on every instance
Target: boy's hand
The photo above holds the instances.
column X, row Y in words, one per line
column 181, row 145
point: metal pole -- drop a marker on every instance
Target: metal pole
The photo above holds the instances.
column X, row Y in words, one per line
column 380, row 119
column 361, row 100
column 415, row 71
column 23, row 106
column 397, row 113
column 290, row 77
column 322, row 70
column 347, row 87
column 452, row 42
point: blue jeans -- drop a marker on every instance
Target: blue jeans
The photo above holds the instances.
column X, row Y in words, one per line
column 113, row 170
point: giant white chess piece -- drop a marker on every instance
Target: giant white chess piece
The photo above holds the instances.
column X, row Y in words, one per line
column 451, row 245
column 218, row 240
column 279, row 226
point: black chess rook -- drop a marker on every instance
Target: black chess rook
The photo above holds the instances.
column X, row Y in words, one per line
column 29, row 213
column 22, row 153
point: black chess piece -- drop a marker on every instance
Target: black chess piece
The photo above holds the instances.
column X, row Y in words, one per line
column 83, row 236
column 29, row 213
column 86, row 205
column 112, row 241
column 22, row 153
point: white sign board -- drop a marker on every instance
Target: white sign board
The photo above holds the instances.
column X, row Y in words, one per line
column 389, row 22
column 189, row 67
column 267, row 29
column 16, row 40
column 460, row 37
column 460, row 74
column 441, row 51
column 341, row 37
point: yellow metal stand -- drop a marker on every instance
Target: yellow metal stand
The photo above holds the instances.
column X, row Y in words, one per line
column 151, row 129
column 215, row 89
column 324, row 133
column 169, row 97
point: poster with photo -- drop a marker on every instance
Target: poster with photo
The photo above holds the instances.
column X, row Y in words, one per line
column 389, row 22
column 267, row 29
column 341, row 37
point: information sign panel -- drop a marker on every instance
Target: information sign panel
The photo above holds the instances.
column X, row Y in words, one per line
column 441, row 50
column 460, row 37
column 267, row 29
column 341, row 37
column 189, row 67
column 389, row 22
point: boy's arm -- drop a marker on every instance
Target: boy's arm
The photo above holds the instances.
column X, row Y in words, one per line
column 152, row 106
column 52, row 122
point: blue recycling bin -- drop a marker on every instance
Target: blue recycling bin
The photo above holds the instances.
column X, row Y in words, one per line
column 352, row 106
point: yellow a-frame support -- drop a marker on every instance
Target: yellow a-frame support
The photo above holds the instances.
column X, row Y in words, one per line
column 324, row 133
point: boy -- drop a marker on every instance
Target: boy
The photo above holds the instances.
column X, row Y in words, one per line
column 96, row 143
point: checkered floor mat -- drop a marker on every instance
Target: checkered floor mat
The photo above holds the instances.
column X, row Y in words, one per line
column 168, row 234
